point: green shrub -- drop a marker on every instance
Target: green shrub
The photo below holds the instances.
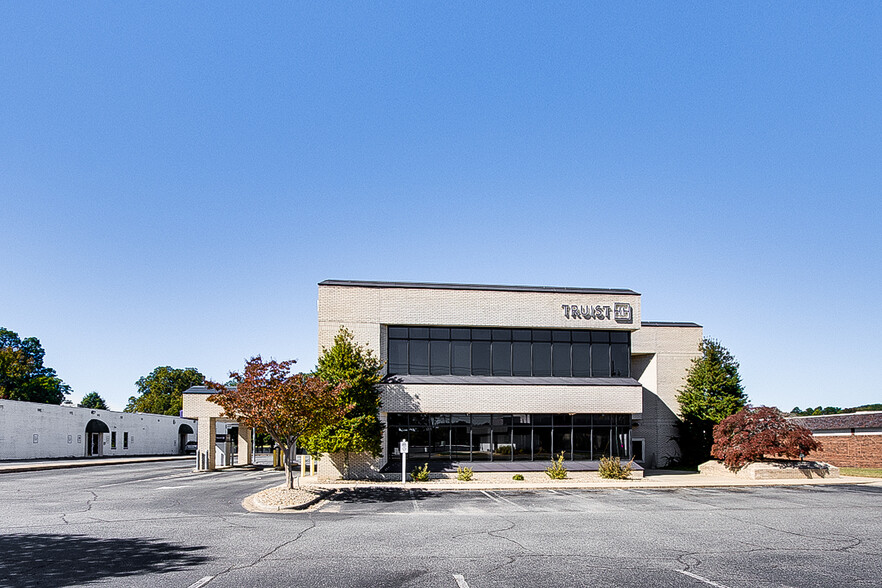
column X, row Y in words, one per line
column 518, row 477
column 420, row 474
column 504, row 450
column 611, row 468
column 464, row 474
column 557, row 471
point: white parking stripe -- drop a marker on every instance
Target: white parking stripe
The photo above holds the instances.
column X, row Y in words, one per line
column 700, row 579
column 460, row 581
column 487, row 494
column 201, row 582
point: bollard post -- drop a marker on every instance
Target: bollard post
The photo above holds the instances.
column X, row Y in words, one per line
column 311, row 465
column 303, row 466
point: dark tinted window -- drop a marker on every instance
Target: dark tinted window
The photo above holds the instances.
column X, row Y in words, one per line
column 521, row 360
column 600, row 360
column 541, row 335
column 541, row 359
column 419, row 333
column 440, row 358
column 620, row 357
column 461, row 334
column 439, row 333
column 461, row 358
column 480, row 358
column 581, row 336
column 419, row 357
column 521, row 335
column 501, row 358
column 397, row 356
column 618, row 337
column 521, row 352
column 581, row 360
column 560, row 336
column 502, row 334
column 560, row 359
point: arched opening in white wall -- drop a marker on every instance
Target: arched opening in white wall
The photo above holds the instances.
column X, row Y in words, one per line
column 95, row 430
column 184, row 431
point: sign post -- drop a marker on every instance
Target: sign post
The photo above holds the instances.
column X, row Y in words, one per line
column 402, row 448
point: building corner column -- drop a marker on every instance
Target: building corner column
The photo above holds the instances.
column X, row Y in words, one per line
column 245, row 446
column 205, row 450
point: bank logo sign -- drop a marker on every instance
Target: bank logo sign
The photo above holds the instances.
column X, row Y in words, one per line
column 621, row 312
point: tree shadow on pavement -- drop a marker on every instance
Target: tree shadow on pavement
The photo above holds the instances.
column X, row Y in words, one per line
column 32, row 560
column 380, row 495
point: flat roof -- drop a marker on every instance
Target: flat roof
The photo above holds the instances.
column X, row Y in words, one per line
column 501, row 288
column 667, row 324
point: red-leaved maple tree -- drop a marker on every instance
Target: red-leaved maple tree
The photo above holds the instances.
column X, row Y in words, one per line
column 268, row 396
column 753, row 433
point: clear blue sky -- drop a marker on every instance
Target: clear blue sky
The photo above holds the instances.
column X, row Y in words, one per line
column 175, row 178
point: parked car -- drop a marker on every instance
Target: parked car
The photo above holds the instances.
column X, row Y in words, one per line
column 190, row 447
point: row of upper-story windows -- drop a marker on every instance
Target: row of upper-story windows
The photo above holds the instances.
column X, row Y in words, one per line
column 466, row 351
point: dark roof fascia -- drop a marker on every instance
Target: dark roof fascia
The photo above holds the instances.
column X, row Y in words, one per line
column 488, row 287
column 510, row 381
column 850, row 420
column 201, row 390
column 668, row 324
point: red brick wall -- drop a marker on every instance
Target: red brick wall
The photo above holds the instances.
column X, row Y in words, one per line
column 858, row 451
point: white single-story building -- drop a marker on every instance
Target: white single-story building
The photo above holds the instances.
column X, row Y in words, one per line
column 31, row 430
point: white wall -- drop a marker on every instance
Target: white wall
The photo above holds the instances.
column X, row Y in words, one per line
column 30, row 430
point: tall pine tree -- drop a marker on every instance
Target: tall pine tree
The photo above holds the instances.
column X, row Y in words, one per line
column 712, row 392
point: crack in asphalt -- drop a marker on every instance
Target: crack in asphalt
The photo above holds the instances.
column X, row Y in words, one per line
column 270, row 552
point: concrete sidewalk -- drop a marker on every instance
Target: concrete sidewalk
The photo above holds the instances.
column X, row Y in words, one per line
column 35, row 465
column 652, row 479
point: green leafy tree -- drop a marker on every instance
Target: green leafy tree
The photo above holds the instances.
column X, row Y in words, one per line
column 359, row 371
column 93, row 400
column 287, row 406
column 22, row 373
column 161, row 392
column 713, row 391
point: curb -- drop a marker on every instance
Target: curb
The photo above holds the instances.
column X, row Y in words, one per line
column 634, row 485
column 253, row 505
column 37, row 467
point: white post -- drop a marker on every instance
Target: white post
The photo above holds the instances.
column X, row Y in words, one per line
column 402, row 449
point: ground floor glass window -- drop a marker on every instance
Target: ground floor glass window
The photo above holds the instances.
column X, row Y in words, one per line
column 508, row 437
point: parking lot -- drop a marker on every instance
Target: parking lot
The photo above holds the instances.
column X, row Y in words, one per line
column 162, row 524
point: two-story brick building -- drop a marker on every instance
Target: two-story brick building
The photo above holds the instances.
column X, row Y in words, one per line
column 509, row 373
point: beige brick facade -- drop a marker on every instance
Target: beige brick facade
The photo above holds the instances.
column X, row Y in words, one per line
column 661, row 352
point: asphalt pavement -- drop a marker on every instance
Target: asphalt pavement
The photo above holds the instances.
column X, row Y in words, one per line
column 161, row 524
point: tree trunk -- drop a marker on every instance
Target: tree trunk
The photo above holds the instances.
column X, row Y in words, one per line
column 289, row 474
column 346, row 465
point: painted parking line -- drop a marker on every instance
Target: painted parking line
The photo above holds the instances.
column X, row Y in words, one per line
column 700, row 579
column 497, row 498
column 201, row 582
column 413, row 500
column 460, row 581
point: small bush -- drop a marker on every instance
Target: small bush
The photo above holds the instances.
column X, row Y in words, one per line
column 753, row 433
column 464, row 474
column 420, row 474
column 557, row 471
column 503, row 450
column 611, row 468
column 518, row 477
